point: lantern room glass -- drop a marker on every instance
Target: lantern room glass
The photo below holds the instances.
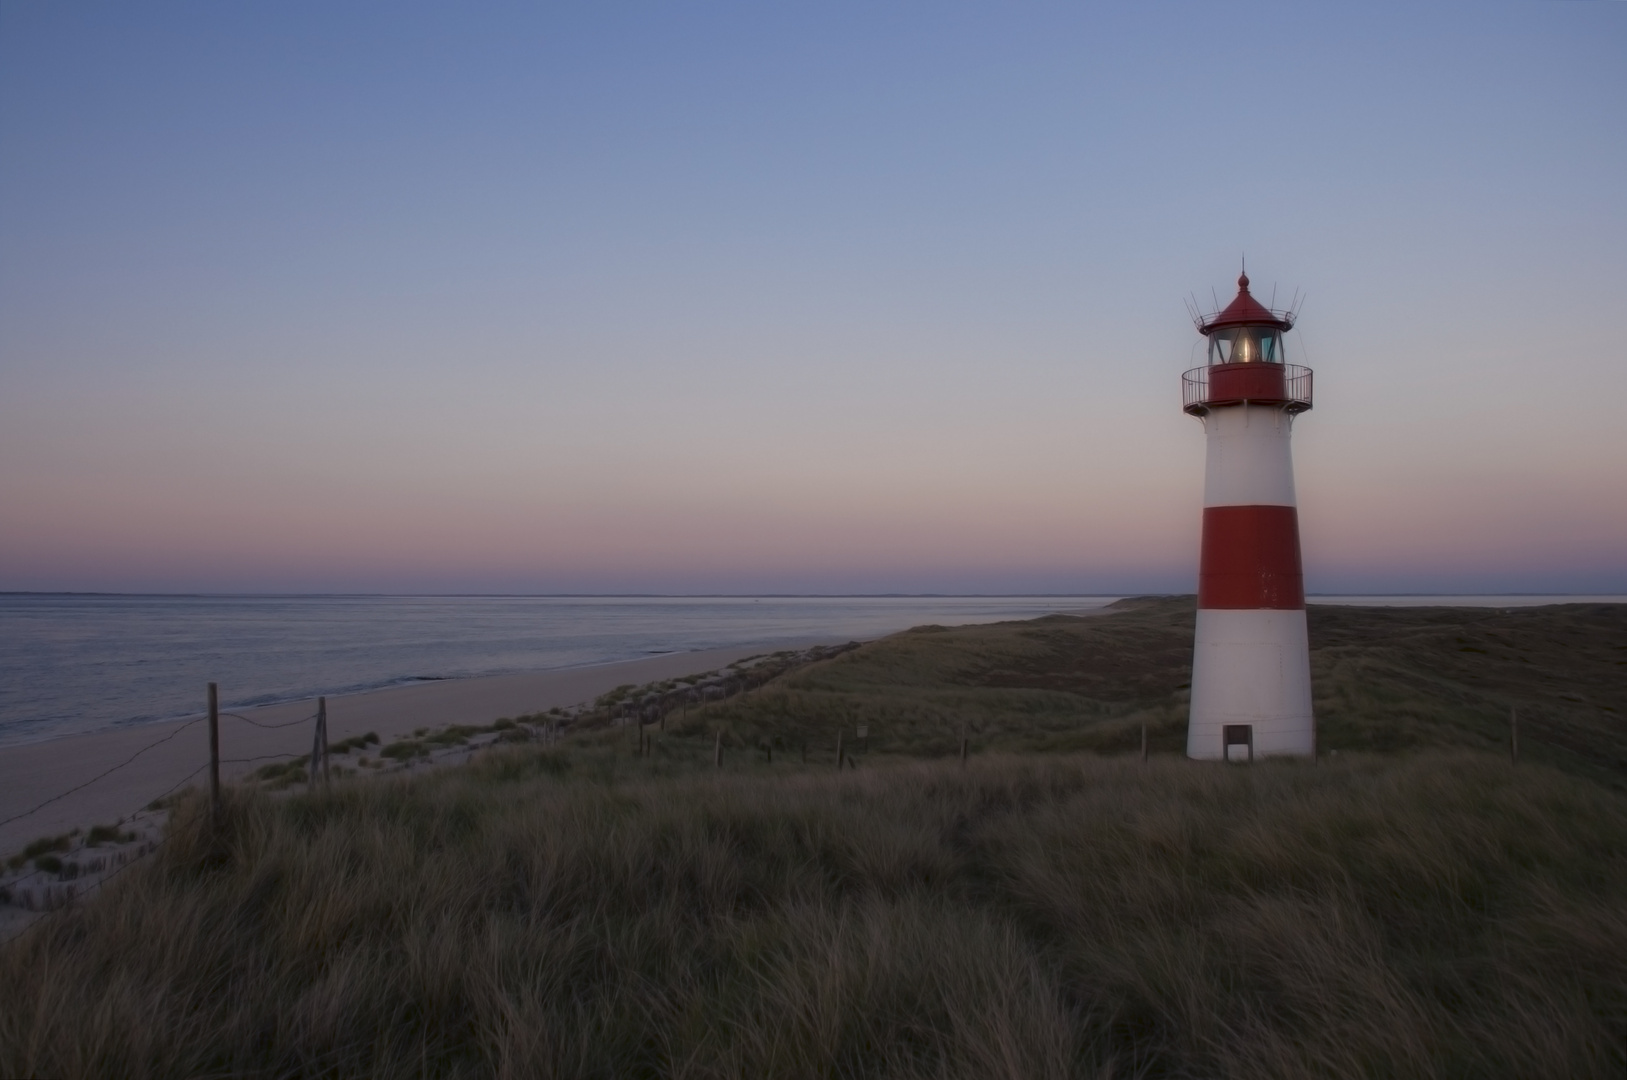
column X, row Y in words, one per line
column 1246, row 345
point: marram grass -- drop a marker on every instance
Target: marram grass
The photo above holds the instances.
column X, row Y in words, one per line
column 1445, row 915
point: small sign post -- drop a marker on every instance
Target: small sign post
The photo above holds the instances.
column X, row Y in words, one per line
column 214, row 754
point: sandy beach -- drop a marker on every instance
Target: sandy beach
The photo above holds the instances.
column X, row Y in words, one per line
column 33, row 773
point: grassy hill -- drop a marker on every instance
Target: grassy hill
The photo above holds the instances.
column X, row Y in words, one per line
column 1385, row 679
column 1414, row 907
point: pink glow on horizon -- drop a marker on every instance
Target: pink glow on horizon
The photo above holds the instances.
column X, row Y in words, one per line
column 562, row 300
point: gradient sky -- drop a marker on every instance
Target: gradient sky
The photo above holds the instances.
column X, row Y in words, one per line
column 823, row 297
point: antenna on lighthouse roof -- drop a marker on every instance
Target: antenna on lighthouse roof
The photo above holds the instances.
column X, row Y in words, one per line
column 1195, row 310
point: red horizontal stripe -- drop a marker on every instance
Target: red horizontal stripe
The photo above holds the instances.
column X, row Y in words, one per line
column 1251, row 558
column 1247, row 382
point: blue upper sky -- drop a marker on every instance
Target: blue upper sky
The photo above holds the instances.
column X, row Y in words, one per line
column 697, row 297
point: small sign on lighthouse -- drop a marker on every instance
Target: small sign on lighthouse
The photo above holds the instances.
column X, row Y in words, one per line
column 1251, row 668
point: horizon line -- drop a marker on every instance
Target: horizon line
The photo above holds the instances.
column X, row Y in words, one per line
column 734, row 596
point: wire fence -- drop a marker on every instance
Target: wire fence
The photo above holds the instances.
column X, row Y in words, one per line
column 269, row 727
column 318, row 754
column 27, row 880
column 109, row 772
column 262, row 757
column 621, row 713
column 101, row 883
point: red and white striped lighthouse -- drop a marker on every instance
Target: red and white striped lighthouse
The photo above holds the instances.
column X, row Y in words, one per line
column 1251, row 675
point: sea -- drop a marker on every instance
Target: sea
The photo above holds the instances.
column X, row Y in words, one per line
column 77, row 663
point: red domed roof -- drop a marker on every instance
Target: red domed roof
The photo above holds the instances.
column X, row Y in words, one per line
column 1246, row 311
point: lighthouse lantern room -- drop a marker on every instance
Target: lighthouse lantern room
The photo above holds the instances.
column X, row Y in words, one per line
column 1251, row 678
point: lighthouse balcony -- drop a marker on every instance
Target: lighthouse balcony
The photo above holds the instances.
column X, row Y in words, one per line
column 1282, row 386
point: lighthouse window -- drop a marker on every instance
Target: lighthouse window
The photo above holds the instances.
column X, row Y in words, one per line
column 1246, row 345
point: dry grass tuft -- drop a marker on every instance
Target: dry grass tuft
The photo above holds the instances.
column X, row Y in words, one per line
column 1025, row 917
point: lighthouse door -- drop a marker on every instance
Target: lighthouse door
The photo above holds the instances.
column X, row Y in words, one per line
column 1236, row 735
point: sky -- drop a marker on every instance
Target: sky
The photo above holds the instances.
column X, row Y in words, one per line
column 826, row 298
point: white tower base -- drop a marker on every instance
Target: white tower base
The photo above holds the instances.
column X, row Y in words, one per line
column 1251, row 666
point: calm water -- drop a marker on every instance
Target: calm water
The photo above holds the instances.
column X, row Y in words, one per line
column 76, row 663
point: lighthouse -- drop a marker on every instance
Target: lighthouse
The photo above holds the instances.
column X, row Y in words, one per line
column 1251, row 671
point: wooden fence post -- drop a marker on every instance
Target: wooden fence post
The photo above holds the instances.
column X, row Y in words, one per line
column 838, row 751
column 322, row 726
column 214, row 753
column 316, row 752
column 1513, row 735
column 963, row 746
column 717, row 750
column 1143, row 744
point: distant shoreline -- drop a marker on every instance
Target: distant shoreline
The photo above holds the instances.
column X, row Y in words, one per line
column 75, row 663
column 584, row 596
column 1343, row 596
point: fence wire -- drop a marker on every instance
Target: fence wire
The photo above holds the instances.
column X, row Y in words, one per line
column 101, row 882
column 100, row 775
column 270, row 727
column 159, row 742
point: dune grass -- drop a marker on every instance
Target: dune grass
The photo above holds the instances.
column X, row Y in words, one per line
column 1385, row 679
column 1060, row 916
column 1416, row 906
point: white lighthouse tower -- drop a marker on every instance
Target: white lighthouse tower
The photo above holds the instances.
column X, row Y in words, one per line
column 1251, row 676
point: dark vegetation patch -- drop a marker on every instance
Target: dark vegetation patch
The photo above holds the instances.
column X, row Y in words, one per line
column 45, row 846
column 1385, row 679
column 1055, row 916
column 405, row 750
column 282, row 774
column 108, row 834
column 1407, row 678
column 355, row 742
